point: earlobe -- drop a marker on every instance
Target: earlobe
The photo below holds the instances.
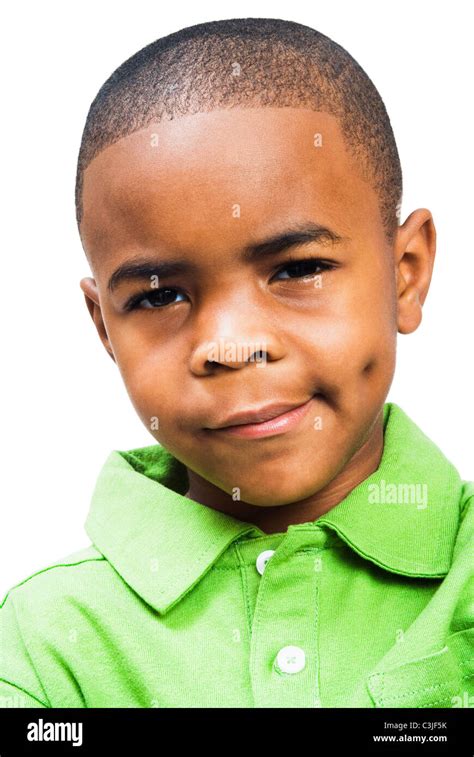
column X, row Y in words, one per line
column 91, row 296
column 415, row 250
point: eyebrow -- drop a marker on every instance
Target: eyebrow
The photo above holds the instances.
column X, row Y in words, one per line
column 300, row 234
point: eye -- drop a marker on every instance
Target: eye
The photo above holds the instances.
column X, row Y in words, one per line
column 304, row 268
column 153, row 298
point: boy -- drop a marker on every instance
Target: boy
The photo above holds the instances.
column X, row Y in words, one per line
column 291, row 540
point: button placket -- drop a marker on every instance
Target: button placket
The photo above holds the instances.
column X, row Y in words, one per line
column 284, row 661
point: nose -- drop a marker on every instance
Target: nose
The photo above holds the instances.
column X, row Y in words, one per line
column 233, row 335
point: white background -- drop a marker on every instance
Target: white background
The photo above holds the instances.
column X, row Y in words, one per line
column 64, row 407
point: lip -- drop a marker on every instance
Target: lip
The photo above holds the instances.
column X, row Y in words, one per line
column 265, row 421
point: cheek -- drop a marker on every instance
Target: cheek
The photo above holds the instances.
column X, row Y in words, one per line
column 369, row 314
column 345, row 342
column 353, row 338
column 372, row 349
column 147, row 377
column 373, row 344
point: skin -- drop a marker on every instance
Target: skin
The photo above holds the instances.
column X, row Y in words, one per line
column 170, row 191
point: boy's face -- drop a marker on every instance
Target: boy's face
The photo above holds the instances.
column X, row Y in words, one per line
column 195, row 193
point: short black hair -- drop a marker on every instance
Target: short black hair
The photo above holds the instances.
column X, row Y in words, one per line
column 248, row 62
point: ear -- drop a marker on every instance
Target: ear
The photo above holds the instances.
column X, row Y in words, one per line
column 91, row 295
column 415, row 249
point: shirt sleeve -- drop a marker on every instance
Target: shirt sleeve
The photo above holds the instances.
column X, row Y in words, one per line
column 19, row 682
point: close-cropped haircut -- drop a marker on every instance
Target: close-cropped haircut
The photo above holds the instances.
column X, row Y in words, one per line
column 248, row 62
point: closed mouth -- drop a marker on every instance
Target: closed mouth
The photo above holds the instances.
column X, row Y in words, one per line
column 266, row 421
column 259, row 415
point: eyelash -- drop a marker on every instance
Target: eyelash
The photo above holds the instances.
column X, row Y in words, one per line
column 324, row 265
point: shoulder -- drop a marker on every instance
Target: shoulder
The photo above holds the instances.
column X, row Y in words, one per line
column 34, row 613
column 65, row 576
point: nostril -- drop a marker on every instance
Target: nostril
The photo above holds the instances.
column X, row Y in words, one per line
column 258, row 357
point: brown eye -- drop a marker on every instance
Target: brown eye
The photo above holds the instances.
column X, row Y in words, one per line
column 301, row 268
column 156, row 298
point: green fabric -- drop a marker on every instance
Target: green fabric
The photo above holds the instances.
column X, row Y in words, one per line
column 166, row 607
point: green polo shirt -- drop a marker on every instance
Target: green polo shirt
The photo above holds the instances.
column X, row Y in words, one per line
column 174, row 604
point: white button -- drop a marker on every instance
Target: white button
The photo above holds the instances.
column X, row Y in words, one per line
column 263, row 558
column 291, row 659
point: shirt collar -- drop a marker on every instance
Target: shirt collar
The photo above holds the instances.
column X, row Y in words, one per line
column 405, row 516
column 161, row 543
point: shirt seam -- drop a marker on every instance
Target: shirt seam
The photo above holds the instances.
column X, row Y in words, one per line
column 420, row 690
column 50, row 567
column 244, row 583
column 25, row 691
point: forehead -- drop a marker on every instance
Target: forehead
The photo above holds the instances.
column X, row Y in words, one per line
column 184, row 182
